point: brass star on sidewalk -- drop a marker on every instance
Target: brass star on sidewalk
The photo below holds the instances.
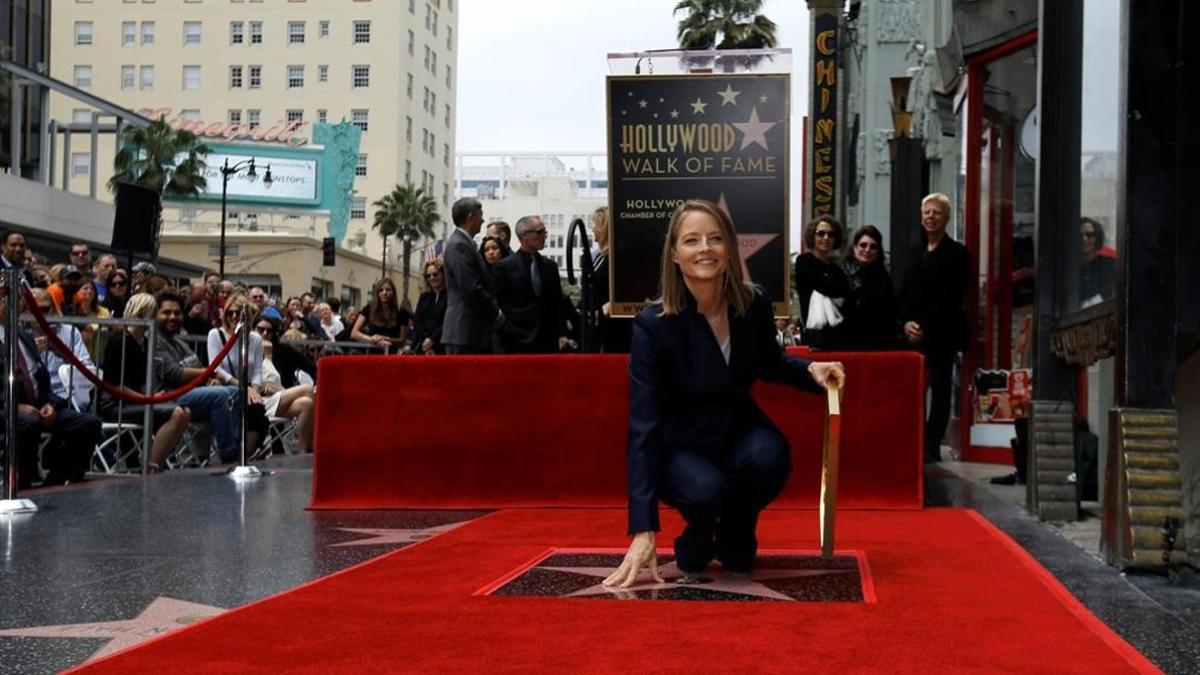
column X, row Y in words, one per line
column 721, row 582
column 379, row 536
column 163, row 615
column 729, row 95
column 754, row 131
column 698, row 106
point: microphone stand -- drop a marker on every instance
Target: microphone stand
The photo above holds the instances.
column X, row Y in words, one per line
column 587, row 324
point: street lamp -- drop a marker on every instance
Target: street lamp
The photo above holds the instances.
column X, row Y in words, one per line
column 227, row 171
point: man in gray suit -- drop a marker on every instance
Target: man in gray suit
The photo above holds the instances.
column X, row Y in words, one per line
column 471, row 310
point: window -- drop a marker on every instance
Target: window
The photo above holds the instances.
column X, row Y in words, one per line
column 235, row 77
column 83, row 32
column 425, row 100
column 434, row 26
column 83, row 77
column 358, row 208
column 81, row 116
column 189, row 114
column 362, row 32
column 407, row 172
column 81, row 164
column 412, row 6
column 146, row 77
column 323, row 29
column 428, row 17
column 412, row 42
column 446, row 154
column 191, row 78
column 445, row 194
column 322, row 73
column 448, row 76
column 433, row 103
column 253, row 118
column 256, row 33
column 237, row 32
column 128, row 78
column 408, row 88
column 295, row 77
column 359, row 117
column 295, row 32
column 424, row 140
column 427, row 52
column 255, row 77
column 360, row 169
column 361, row 77
column 449, row 38
column 191, row 32
column 322, row 115
column 128, row 33
column 294, row 116
column 408, row 128
column 433, row 63
column 447, row 115
column 234, row 116
column 147, row 32
column 432, row 144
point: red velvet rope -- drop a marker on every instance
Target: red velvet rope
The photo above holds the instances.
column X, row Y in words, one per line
column 69, row 354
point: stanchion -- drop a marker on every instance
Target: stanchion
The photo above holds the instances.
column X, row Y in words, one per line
column 829, row 469
column 11, row 503
column 243, row 470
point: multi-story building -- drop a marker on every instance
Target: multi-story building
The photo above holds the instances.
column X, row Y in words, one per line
column 264, row 71
column 559, row 187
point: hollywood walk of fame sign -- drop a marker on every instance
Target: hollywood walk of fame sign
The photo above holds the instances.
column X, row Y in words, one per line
column 719, row 137
column 776, row 577
column 163, row 615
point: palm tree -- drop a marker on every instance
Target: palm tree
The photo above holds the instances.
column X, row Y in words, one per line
column 724, row 24
column 409, row 214
column 150, row 157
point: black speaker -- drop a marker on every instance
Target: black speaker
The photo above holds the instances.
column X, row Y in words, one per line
column 328, row 251
column 135, row 228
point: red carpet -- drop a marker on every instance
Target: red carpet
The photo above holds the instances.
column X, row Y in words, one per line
column 506, row 431
column 952, row 595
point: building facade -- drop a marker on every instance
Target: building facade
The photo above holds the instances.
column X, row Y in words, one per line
column 559, row 187
column 263, row 71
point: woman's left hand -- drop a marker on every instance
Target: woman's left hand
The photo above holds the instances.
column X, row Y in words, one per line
column 254, row 397
column 828, row 373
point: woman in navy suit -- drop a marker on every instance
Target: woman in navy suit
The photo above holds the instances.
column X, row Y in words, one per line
column 697, row 440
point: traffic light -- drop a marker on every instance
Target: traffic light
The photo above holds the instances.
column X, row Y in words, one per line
column 328, row 251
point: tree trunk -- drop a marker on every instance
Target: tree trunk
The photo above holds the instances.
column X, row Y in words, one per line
column 407, row 266
column 383, row 259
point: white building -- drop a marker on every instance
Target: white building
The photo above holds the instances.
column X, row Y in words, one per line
column 558, row 186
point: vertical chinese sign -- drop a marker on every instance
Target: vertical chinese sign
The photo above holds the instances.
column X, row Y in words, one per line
column 723, row 138
column 822, row 188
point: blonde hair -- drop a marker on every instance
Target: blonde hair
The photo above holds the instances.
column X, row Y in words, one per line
column 242, row 303
column 600, row 224
column 141, row 306
column 941, row 199
column 734, row 289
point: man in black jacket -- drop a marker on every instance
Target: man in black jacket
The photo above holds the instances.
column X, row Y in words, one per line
column 529, row 292
column 74, row 435
column 931, row 310
column 471, row 311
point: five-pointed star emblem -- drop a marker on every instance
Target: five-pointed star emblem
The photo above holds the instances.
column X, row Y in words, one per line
column 379, row 536
column 674, row 114
column 161, row 616
column 762, row 99
column 642, row 103
column 729, row 95
column 698, row 106
column 754, row 131
column 721, row 582
column 749, row 243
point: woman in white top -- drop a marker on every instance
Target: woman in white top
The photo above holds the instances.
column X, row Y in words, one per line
column 263, row 400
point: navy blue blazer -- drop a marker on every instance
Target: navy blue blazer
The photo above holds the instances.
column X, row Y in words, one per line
column 683, row 396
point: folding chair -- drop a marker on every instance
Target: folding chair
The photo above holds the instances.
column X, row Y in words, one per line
column 120, row 442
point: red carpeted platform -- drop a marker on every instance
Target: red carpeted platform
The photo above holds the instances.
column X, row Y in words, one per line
column 505, row 431
column 952, row 594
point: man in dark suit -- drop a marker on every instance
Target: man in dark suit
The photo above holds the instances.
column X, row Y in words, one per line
column 74, row 435
column 931, row 309
column 12, row 253
column 471, row 310
column 529, row 291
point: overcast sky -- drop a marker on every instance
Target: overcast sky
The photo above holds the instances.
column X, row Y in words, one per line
column 531, row 72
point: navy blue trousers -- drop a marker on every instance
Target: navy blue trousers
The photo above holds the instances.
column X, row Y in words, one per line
column 721, row 494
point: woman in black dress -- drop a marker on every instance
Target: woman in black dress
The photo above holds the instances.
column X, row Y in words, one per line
column 817, row 271
column 431, row 310
column 383, row 322
column 870, row 310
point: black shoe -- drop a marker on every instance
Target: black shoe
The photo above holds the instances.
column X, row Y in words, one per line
column 1011, row 479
